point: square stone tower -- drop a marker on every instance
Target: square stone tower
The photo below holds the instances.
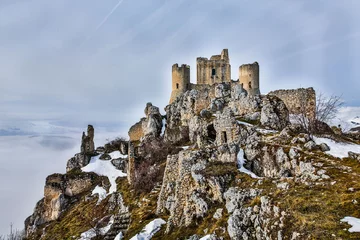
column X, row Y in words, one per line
column 215, row 70
column 180, row 80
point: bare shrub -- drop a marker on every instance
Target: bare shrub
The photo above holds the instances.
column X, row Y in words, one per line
column 327, row 107
column 326, row 110
column 13, row 235
column 115, row 144
column 147, row 176
column 150, row 163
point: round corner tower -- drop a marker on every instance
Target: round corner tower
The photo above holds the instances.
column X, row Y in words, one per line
column 180, row 80
column 249, row 78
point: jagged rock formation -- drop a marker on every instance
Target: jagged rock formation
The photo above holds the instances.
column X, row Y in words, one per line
column 224, row 162
column 87, row 150
column 59, row 191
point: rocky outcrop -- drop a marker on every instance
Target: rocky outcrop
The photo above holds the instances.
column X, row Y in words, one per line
column 260, row 221
column 268, row 161
column 153, row 124
column 204, row 160
column 87, row 150
column 355, row 156
column 185, row 192
column 87, row 141
column 197, row 114
column 150, row 126
column 274, row 113
column 58, row 191
column 136, row 131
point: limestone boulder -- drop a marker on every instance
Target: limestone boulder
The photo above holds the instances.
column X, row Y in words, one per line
column 78, row 161
column 274, row 113
column 310, row 145
column 324, row 147
column 153, row 123
column 355, row 156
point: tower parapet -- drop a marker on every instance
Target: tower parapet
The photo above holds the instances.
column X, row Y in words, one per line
column 180, row 80
column 249, row 78
column 215, row 70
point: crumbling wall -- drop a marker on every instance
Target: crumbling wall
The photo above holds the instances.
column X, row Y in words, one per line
column 215, row 70
column 298, row 100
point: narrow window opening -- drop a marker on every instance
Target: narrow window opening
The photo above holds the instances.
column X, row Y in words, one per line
column 224, row 137
column 211, row 133
column 213, row 72
column 177, row 86
column 250, row 85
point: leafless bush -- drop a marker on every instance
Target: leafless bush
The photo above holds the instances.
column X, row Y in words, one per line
column 115, row 144
column 325, row 110
column 327, row 107
column 147, row 176
column 13, row 235
column 150, row 163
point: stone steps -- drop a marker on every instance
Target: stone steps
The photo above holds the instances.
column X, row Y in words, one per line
column 121, row 224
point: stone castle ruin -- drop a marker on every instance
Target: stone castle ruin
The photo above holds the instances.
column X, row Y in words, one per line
column 217, row 69
column 188, row 159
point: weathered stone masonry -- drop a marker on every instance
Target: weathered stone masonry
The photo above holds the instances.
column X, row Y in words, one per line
column 211, row 71
column 298, row 100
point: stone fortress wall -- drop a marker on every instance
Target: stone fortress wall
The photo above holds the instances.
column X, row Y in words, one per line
column 298, row 100
column 217, row 69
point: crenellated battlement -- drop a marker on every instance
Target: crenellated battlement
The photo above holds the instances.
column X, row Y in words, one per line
column 217, row 69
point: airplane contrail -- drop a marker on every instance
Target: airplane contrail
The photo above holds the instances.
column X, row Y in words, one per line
column 110, row 13
column 103, row 22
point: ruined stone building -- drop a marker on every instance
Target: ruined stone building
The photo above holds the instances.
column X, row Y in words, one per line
column 217, row 69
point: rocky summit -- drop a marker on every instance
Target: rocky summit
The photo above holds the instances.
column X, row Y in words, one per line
column 221, row 164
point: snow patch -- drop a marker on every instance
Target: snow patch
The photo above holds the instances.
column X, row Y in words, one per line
column 163, row 126
column 338, row 149
column 119, row 236
column 89, row 234
column 354, row 222
column 149, row 230
column 104, row 168
column 207, row 237
column 101, row 193
column 116, row 155
column 347, row 118
column 265, row 131
column 244, row 123
column 241, row 161
column 260, row 130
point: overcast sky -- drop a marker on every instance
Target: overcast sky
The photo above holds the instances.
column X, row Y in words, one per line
column 70, row 63
column 86, row 61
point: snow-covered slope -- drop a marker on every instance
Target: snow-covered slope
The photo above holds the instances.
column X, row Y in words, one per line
column 347, row 117
column 104, row 168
